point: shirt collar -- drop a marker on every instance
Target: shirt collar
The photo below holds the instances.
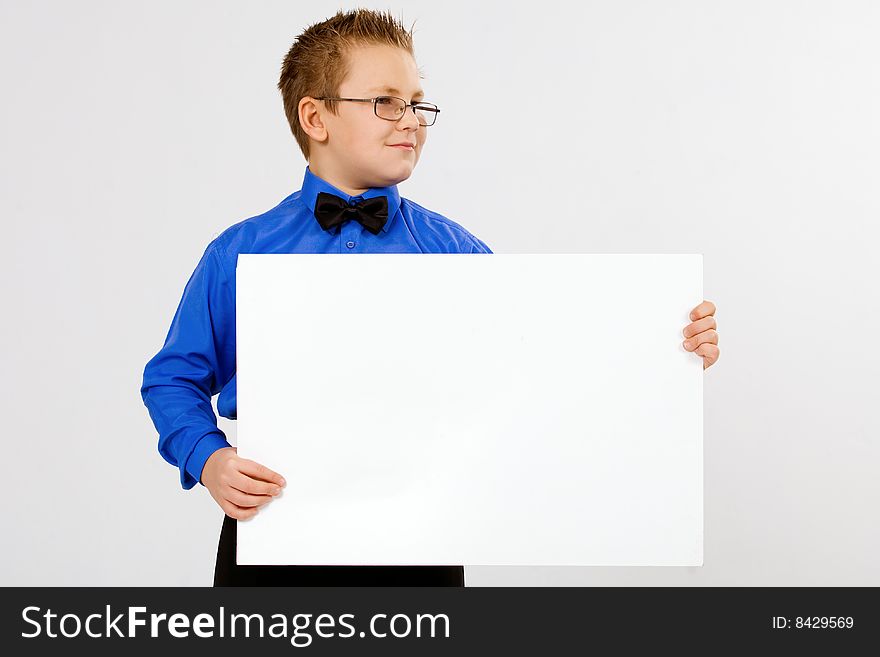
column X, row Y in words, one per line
column 313, row 184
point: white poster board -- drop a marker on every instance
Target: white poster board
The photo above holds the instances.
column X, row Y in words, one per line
column 479, row 409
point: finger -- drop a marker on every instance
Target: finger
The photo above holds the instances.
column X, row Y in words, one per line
column 699, row 326
column 259, row 471
column 709, row 352
column 700, row 338
column 254, row 486
column 704, row 309
column 246, row 500
column 237, row 512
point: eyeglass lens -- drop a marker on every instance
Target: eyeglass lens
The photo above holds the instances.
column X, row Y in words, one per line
column 391, row 108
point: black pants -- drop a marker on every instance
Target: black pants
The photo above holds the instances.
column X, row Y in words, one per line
column 228, row 573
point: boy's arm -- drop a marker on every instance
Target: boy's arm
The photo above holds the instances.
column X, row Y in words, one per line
column 478, row 245
column 197, row 359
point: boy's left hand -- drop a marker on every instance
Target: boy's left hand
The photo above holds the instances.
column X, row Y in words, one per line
column 701, row 334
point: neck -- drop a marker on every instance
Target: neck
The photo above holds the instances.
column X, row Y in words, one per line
column 328, row 174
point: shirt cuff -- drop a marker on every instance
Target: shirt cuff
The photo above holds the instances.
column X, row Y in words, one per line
column 207, row 445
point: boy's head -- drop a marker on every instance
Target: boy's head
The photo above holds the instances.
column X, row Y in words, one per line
column 355, row 54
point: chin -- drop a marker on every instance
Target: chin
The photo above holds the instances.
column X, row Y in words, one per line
column 401, row 174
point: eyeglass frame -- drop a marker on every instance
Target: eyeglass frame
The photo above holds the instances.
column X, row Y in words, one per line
column 434, row 109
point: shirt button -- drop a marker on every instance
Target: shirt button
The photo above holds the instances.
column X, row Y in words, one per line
column 350, row 245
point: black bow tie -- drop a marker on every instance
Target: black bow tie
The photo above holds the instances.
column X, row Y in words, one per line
column 331, row 210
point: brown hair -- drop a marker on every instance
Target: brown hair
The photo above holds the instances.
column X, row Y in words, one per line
column 316, row 63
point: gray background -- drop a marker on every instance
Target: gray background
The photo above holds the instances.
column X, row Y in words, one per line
column 133, row 133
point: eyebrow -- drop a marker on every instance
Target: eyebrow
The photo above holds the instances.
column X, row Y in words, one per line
column 392, row 90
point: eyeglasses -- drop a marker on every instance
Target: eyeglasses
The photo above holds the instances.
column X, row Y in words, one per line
column 392, row 108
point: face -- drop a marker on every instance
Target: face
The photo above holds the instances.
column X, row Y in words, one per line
column 354, row 149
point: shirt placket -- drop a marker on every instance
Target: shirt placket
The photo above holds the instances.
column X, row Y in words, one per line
column 350, row 232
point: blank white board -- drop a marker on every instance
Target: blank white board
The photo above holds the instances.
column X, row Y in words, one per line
column 480, row 409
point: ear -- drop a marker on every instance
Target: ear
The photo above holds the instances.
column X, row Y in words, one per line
column 310, row 119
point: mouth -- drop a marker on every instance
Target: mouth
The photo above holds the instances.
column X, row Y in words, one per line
column 403, row 147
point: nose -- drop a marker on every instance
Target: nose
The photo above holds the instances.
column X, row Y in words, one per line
column 409, row 119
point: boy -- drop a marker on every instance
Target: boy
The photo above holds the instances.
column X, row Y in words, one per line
column 352, row 97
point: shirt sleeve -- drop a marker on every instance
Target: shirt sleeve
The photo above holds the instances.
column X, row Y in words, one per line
column 196, row 360
column 479, row 246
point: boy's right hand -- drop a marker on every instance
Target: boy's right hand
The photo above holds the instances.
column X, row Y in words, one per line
column 240, row 486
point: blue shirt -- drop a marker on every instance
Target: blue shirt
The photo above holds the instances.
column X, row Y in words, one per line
column 197, row 360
